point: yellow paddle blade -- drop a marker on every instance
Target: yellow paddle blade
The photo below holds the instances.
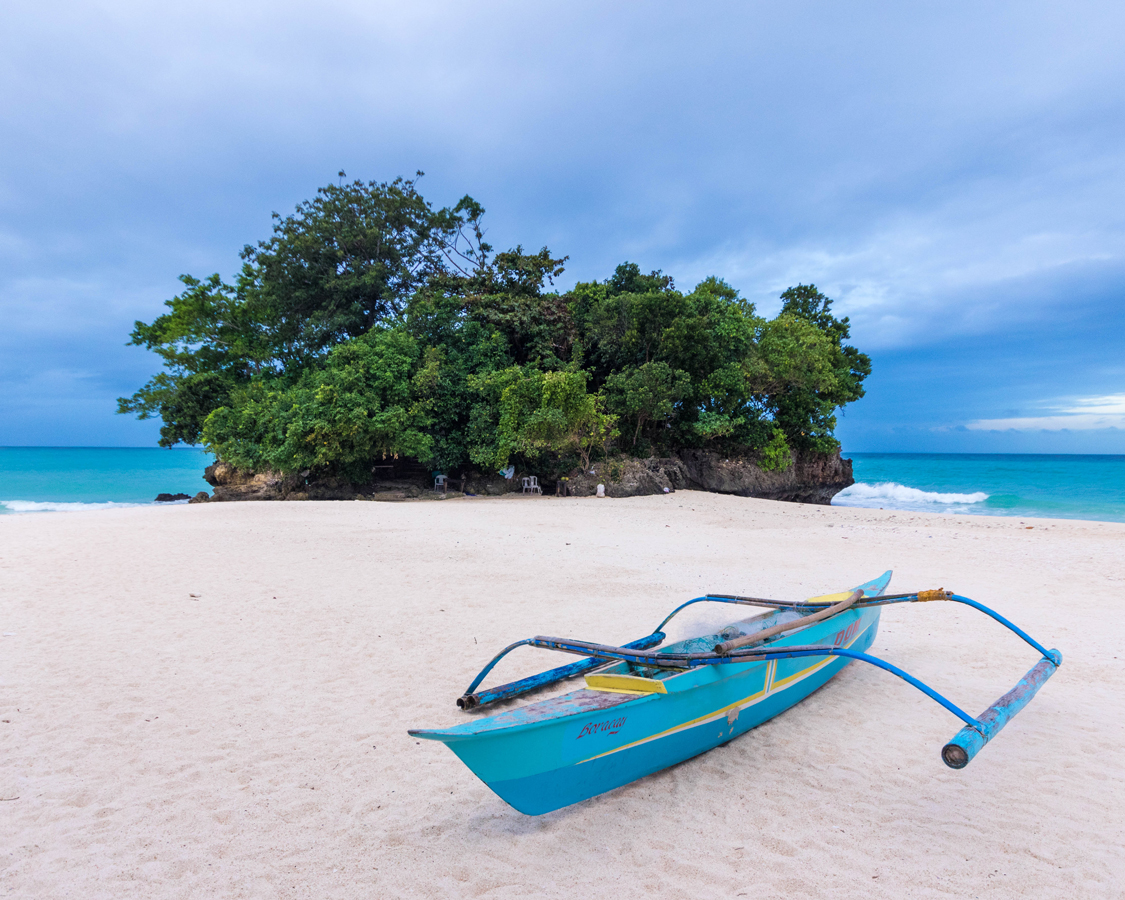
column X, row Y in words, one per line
column 828, row 599
column 625, row 684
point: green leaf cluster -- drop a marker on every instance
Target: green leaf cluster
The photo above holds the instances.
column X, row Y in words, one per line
column 371, row 324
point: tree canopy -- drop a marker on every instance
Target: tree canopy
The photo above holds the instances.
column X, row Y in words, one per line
column 371, row 324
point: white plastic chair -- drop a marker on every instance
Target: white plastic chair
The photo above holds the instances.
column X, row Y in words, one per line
column 531, row 485
column 439, row 483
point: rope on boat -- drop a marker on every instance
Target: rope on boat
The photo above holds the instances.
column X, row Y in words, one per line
column 939, row 594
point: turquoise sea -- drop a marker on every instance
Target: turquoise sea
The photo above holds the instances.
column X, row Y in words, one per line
column 53, row 479
column 1053, row 486
column 46, row 479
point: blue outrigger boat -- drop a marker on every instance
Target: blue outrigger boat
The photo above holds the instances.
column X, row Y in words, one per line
column 644, row 709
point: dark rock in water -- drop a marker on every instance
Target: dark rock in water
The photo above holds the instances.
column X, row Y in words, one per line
column 171, row 498
column 201, row 497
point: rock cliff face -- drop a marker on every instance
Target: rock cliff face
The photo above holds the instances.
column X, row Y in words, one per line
column 812, row 478
column 237, row 484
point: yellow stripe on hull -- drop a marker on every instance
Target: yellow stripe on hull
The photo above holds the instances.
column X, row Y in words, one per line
column 758, row 696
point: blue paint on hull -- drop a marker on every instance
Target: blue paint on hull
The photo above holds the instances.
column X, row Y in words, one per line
column 560, row 751
column 546, row 791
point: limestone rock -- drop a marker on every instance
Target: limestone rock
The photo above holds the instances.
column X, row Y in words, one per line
column 812, row 477
column 237, row 484
column 631, row 477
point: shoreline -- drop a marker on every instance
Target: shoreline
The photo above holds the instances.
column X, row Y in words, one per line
column 117, row 506
column 1080, row 487
column 251, row 740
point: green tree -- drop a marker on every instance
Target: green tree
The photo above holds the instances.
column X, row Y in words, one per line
column 570, row 418
column 776, row 455
column 509, row 296
column 545, row 412
column 367, row 403
column 349, row 260
column 208, row 345
column 807, row 412
column 646, row 394
column 483, row 323
column 342, row 264
column 371, row 324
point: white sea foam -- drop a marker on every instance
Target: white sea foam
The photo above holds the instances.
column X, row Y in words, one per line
column 19, row 506
column 890, row 495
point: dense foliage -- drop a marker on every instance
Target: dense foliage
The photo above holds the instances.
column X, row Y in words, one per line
column 372, row 325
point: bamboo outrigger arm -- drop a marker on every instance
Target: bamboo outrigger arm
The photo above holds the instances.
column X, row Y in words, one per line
column 472, row 699
column 956, row 754
column 858, row 603
column 917, row 596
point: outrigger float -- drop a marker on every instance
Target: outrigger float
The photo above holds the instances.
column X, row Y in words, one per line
column 643, row 709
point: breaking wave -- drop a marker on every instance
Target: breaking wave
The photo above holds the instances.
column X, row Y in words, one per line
column 19, row 506
column 890, row 495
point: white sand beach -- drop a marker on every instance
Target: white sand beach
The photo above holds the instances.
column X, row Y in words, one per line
column 212, row 701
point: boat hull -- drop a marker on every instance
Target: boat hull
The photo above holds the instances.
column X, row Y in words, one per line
column 561, row 751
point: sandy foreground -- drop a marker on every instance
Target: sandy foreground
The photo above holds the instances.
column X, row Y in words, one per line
column 252, row 742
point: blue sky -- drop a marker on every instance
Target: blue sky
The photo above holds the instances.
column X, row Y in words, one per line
column 953, row 175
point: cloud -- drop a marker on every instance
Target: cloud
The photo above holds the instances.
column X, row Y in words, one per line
column 1082, row 414
column 948, row 174
column 978, row 256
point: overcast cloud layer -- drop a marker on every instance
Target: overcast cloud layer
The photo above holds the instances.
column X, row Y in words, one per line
column 953, row 175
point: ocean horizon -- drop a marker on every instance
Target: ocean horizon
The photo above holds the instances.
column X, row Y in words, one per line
column 1065, row 486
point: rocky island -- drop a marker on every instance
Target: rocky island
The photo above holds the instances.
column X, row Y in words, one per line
column 373, row 345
